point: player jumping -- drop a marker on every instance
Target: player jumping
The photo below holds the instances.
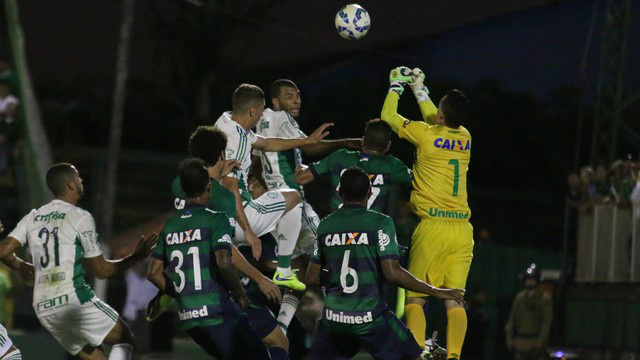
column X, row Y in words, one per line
column 359, row 250
column 442, row 244
column 274, row 207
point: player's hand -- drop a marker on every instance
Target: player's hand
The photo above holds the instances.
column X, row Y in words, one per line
column 320, row 133
column 398, row 77
column 146, row 245
column 300, row 168
column 270, row 290
column 26, row 271
column 417, row 85
column 228, row 166
column 456, row 295
column 255, row 242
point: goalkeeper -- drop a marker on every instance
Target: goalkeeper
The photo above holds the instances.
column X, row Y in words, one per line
column 442, row 244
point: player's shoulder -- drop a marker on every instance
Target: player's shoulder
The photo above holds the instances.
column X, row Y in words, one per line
column 227, row 125
column 215, row 215
column 378, row 217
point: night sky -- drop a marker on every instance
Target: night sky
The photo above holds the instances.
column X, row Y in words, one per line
column 519, row 61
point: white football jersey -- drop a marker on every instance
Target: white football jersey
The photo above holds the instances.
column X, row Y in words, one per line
column 59, row 236
column 239, row 143
column 278, row 168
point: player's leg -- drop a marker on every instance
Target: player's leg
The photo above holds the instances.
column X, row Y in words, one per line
column 265, row 324
column 456, row 272
column 304, row 247
column 424, row 256
column 330, row 346
column 234, row 339
column 287, row 233
column 391, row 340
column 121, row 341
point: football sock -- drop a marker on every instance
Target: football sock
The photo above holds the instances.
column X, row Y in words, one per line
column 456, row 329
column 288, row 230
column 416, row 322
column 287, row 311
column 278, row 353
column 121, row 352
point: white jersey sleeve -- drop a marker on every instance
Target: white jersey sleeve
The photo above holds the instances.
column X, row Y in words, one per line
column 22, row 229
column 88, row 237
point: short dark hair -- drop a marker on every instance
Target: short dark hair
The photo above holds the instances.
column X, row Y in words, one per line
column 456, row 108
column 193, row 177
column 377, row 135
column 207, row 143
column 246, row 96
column 277, row 86
column 354, row 184
column 59, row 176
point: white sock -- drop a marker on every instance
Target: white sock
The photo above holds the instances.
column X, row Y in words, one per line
column 287, row 232
column 121, row 352
column 287, row 311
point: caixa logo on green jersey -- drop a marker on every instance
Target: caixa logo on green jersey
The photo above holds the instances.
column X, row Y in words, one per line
column 347, row 238
column 451, row 144
column 183, row 236
column 53, row 303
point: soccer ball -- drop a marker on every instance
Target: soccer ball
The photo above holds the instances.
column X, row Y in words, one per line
column 352, row 22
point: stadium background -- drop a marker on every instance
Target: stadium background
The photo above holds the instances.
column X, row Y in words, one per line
column 520, row 62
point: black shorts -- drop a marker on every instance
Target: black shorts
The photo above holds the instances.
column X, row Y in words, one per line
column 231, row 340
column 389, row 341
column 262, row 321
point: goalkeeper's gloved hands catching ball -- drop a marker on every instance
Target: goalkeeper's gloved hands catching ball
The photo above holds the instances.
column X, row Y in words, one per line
column 398, row 77
column 417, row 85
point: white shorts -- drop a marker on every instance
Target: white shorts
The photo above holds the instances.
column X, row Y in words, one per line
column 263, row 215
column 5, row 342
column 308, row 231
column 81, row 325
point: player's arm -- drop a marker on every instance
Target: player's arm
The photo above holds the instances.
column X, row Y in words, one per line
column 397, row 79
column 230, row 276
column 396, row 274
column 103, row 268
column 231, row 184
column 271, row 144
column 427, row 108
column 7, row 248
column 325, row 147
column 306, row 174
column 267, row 287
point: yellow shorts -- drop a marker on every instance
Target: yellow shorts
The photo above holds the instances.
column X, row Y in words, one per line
column 441, row 253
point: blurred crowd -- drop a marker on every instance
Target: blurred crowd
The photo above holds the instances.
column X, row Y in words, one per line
column 616, row 184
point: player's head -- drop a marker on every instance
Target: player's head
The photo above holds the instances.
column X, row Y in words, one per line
column 285, row 96
column 355, row 186
column 454, row 109
column 194, row 178
column 208, row 143
column 377, row 136
column 248, row 100
column 63, row 179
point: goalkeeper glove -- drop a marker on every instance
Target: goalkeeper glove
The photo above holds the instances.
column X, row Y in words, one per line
column 417, row 85
column 398, row 77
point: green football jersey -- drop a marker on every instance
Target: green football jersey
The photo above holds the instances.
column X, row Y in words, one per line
column 186, row 245
column 384, row 171
column 221, row 199
column 352, row 243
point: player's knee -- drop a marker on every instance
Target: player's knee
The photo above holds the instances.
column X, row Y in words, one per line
column 450, row 304
column 277, row 339
column 415, row 300
column 291, row 197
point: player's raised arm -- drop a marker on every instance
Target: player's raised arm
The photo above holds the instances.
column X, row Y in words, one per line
column 398, row 77
column 427, row 108
column 325, row 147
column 270, row 144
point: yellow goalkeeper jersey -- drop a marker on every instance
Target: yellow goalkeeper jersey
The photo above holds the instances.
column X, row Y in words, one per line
column 440, row 170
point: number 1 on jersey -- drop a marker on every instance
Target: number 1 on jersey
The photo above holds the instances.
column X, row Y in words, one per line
column 456, row 175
